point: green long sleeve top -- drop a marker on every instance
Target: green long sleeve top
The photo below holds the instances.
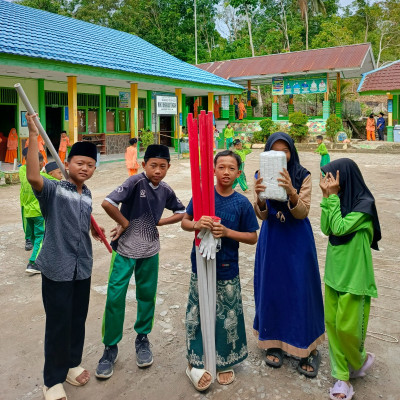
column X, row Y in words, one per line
column 348, row 267
column 228, row 133
column 243, row 153
column 26, row 196
column 321, row 149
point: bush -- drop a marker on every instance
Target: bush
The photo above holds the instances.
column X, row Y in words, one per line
column 298, row 130
column 333, row 126
column 268, row 128
column 254, row 102
column 146, row 138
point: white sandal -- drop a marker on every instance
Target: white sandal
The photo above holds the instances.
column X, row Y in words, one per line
column 195, row 374
column 73, row 373
column 56, row 392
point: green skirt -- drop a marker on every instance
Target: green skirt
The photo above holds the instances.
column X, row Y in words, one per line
column 230, row 333
column 325, row 159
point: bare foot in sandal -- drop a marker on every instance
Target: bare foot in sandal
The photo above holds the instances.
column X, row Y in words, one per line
column 225, row 377
column 205, row 380
column 308, row 367
column 84, row 377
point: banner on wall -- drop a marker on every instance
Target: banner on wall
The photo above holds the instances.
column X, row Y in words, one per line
column 300, row 84
column 124, row 100
column 166, row 105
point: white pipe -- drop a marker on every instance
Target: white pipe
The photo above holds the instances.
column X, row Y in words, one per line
column 43, row 133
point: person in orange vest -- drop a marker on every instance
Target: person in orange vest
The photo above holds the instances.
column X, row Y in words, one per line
column 131, row 157
column 42, row 151
column 242, row 109
column 64, row 143
column 371, row 128
column 12, row 146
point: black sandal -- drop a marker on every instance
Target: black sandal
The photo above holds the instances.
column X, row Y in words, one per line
column 313, row 360
column 278, row 353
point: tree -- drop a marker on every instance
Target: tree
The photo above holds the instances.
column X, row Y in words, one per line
column 316, row 6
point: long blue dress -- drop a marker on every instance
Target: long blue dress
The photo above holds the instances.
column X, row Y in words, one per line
column 287, row 283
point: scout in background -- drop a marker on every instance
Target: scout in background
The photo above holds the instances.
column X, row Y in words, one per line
column 136, row 244
column 228, row 135
column 131, row 157
column 238, row 225
column 380, row 126
column 64, row 144
column 32, row 217
column 65, row 261
column 323, row 151
column 12, row 146
column 242, row 109
column 242, row 153
column 350, row 219
column 370, row 127
column 41, row 148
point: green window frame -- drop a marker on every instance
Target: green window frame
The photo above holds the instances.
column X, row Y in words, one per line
column 112, row 106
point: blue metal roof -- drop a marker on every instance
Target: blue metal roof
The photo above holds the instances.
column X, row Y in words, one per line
column 26, row 31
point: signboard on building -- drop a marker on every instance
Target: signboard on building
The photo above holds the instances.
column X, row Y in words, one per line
column 166, row 105
column 390, row 106
column 300, row 84
column 124, row 99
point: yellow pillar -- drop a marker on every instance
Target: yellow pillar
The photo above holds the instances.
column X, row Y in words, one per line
column 134, row 110
column 72, row 109
column 211, row 102
column 178, row 126
column 390, row 114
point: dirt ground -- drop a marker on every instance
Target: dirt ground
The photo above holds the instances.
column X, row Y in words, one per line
column 22, row 316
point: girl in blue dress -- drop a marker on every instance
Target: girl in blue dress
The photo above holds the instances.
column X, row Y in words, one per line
column 287, row 285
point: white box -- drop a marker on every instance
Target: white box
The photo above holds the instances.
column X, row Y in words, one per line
column 271, row 164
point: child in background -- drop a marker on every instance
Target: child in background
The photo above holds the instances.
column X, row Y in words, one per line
column 53, row 172
column 242, row 153
column 287, row 285
column 131, row 157
column 380, row 126
column 228, row 135
column 370, row 127
column 323, row 151
column 136, row 245
column 238, row 224
column 216, row 137
column 65, row 261
column 64, row 143
column 12, row 146
column 31, row 213
column 242, row 109
column 41, row 144
column 350, row 219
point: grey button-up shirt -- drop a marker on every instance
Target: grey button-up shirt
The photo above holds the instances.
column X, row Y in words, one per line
column 66, row 252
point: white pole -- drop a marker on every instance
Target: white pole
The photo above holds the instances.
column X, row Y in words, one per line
column 15, row 164
column 195, row 30
column 43, row 133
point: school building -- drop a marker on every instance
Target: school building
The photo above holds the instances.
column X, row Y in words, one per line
column 97, row 83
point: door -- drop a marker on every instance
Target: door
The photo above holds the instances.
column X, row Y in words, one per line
column 165, row 130
column 54, row 125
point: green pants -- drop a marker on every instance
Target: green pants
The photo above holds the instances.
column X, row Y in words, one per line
column 241, row 180
column 229, row 142
column 346, row 319
column 27, row 228
column 36, row 226
column 146, row 275
column 325, row 159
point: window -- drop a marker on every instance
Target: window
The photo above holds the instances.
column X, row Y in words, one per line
column 110, row 120
column 88, row 120
column 118, row 119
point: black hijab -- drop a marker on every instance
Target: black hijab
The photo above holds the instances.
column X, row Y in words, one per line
column 296, row 171
column 354, row 196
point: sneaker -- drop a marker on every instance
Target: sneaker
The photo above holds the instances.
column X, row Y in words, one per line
column 28, row 245
column 144, row 356
column 32, row 269
column 105, row 367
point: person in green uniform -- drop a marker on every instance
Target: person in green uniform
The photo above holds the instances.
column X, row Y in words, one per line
column 323, row 151
column 350, row 219
column 242, row 153
column 228, row 135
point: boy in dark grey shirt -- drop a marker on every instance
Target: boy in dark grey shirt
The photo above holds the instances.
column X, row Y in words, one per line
column 136, row 246
column 65, row 261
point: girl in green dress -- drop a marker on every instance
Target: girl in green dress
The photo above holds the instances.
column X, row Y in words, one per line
column 350, row 219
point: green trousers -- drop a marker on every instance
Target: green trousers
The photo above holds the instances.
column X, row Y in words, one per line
column 346, row 319
column 241, row 180
column 27, row 228
column 36, row 226
column 325, row 159
column 146, row 275
column 229, row 142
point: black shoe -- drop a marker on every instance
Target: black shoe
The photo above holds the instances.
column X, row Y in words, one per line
column 32, row 269
column 28, row 245
column 144, row 356
column 105, row 367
